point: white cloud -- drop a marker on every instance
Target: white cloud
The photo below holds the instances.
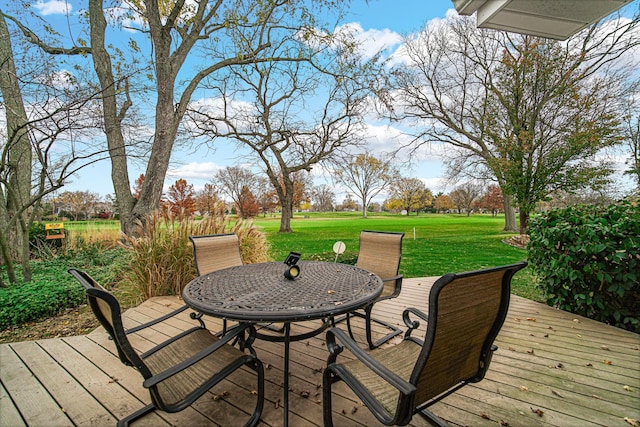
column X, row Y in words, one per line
column 194, row 170
column 53, row 7
column 370, row 41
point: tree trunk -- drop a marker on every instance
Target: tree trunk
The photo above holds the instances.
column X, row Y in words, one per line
column 524, row 221
column 7, row 260
column 18, row 185
column 287, row 205
column 364, row 207
column 509, row 214
column 112, row 119
column 285, row 219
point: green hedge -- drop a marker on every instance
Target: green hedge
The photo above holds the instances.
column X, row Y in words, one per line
column 587, row 259
column 36, row 300
column 53, row 289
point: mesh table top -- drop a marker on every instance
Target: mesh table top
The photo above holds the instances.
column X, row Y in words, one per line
column 261, row 293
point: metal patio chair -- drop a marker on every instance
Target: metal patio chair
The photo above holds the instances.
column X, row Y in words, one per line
column 465, row 314
column 380, row 253
column 214, row 252
column 181, row 369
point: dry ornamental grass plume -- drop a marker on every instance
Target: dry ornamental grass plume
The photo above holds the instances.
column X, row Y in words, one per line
column 162, row 262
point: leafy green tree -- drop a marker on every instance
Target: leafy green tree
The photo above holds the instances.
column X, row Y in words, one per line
column 531, row 113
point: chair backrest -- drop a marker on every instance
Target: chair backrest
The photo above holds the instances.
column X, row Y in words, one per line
column 106, row 308
column 216, row 251
column 466, row 312
column 380, row 253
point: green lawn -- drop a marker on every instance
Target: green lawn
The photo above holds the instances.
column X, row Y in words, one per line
column 433, row 244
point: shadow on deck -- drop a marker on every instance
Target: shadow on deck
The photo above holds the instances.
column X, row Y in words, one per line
column 552, row 369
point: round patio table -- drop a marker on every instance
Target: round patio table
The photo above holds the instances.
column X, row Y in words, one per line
column 261, row 293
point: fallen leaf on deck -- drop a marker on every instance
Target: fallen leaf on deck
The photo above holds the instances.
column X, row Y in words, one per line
column 604, row 347
column 517, row 319
column 532, row 319
column 579, row 336
column 305, row 394
column 595, row 396
column 606, row 362
column 524, row 388
column 538, row 412
column 254, row 392
column 627, row 388
column 556, row 393
column 331, row 292
column 634, row 423
column 221, row 395
column 354, row 410
column 512, row 349
column 503, row 423
column 546, row 335
column 530, row 351
column 485, row 416
column 576, row 320
column 589, row 364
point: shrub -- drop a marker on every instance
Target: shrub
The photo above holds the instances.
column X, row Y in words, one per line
column 162, row 258
column 588, row 258
column 52, row 289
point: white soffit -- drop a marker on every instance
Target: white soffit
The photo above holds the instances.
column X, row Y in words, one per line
column 554, row 19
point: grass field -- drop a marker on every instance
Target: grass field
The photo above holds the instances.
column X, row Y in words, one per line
column 433, row 244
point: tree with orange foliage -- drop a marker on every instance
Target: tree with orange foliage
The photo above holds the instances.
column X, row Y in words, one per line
column 180, row 199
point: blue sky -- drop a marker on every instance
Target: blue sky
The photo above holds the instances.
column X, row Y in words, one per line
column 382, row 22
column 379, row 23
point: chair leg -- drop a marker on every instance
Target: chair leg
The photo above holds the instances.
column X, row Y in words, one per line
column 134, row 416
column 255, row 417
column 433, row 419
column 368, row 320
column 326, row 399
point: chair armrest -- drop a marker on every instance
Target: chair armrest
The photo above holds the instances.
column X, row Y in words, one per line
column 412, row 325
column 382, row 371
column 398, row 287
column 224, row 340
column 155, row 321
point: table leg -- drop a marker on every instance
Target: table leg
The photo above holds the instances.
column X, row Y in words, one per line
column 287, row 339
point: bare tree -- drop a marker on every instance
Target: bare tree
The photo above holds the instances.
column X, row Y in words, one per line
column 323, row 198
column 290, row 114
column 532, row 113
column 234, row 181
column 207, row 200
column 365, row 175
column 48, row 114
column 464, row 197
column 78, row 203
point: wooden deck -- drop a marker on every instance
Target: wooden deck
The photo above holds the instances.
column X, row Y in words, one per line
column 552, row 369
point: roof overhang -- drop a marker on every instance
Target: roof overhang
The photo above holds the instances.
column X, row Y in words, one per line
column 554, row 19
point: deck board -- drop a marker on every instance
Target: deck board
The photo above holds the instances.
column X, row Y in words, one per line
column 575, row 370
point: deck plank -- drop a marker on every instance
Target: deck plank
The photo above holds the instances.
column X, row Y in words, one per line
column 575, row 370
column 9, row 414
column 31, row 399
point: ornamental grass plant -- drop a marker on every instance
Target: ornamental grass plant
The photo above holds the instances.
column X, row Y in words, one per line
column 162, row 257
